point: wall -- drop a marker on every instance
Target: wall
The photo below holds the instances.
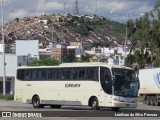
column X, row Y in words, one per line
column 27, row 48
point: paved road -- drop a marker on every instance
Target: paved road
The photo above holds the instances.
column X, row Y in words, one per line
column 81, row 112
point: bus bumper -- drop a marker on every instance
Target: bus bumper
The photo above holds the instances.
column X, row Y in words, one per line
column 124, row 105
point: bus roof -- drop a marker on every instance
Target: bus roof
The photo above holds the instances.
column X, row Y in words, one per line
column 77, row 64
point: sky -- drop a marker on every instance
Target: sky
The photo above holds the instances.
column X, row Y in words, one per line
column 121, row 8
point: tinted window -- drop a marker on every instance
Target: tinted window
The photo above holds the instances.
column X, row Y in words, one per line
column 53, row 74
column 92, row 73
column 31, row 74
column 79, row 73
column 42, row 74
column 106, row 80
column 66, row 74
column 20, row 74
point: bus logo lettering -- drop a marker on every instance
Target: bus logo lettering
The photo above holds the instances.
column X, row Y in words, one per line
column 72, row 85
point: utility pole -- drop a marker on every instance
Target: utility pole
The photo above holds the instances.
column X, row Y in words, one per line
column 126, row 36
column 4, row 67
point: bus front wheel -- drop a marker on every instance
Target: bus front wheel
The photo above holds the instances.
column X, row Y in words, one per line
column 94, row 103
column 36, row 102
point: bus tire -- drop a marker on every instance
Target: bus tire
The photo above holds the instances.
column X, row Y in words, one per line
column 94, row 104
column 55, row 106
column 115, row 109
column 152, row 99
column 156, row 101
column 147, row 100
column 36, row 102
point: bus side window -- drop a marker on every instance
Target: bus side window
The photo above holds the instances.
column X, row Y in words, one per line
column 81, row 73
column 42, row 74
column 56, row 74
column 27, row 76
column 50, row 74
column 66, row 74
column 34, row 74
column 75, row 74
column 92, row 73
column 21, row 74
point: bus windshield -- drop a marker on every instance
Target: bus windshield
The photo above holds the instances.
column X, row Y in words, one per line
column 125, row 83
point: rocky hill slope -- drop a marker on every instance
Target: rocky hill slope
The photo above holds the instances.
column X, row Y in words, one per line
column 65, row 28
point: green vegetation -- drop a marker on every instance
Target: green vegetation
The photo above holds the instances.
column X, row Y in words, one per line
column 45, row 62
column 85, row 58
column 144, row 34
column 102, row 44
column 7, row 97
column 84, row 25
column 141, row 99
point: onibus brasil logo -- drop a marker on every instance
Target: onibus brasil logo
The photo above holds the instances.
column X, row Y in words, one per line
column 157, row 79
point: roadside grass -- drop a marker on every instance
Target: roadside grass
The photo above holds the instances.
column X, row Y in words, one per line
column 7, row 97
column 141, row 99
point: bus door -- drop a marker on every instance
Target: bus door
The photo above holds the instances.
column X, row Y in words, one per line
column 106, row 84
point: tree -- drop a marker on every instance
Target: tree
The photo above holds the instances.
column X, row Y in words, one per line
column 45, row 62
column 84, row 58
column 144, row 34
column 16, row 20
column 49, row 21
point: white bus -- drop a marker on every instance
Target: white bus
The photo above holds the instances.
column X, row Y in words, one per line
column 89, row 84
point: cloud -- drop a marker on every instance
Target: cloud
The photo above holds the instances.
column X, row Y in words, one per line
column 21, row 8
column 114, row 5
column 144, row 8
column 54, row 5
column 8, row 2
column 18, row 14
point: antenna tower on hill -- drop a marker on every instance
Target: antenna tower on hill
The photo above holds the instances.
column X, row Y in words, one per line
column 75, row 8
column 43, row 12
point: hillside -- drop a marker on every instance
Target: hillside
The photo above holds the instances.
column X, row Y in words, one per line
column 65, row 28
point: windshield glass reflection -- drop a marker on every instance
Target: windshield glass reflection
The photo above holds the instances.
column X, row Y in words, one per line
column 125, row 83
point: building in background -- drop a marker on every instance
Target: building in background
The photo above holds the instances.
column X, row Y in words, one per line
column 87, row 45
column 59, row 53
column 26, row 51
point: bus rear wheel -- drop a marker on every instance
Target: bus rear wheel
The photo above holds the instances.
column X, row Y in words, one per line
column 36, row 102
column 147, row 100
column 94, row 104
column 55, row 106
column 152, row 100
column 156, row 102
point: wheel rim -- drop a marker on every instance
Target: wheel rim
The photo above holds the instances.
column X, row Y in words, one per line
column 94, row 104
column 147, row 100
column 151, row 101
column 156, row 101
column 36, row 101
